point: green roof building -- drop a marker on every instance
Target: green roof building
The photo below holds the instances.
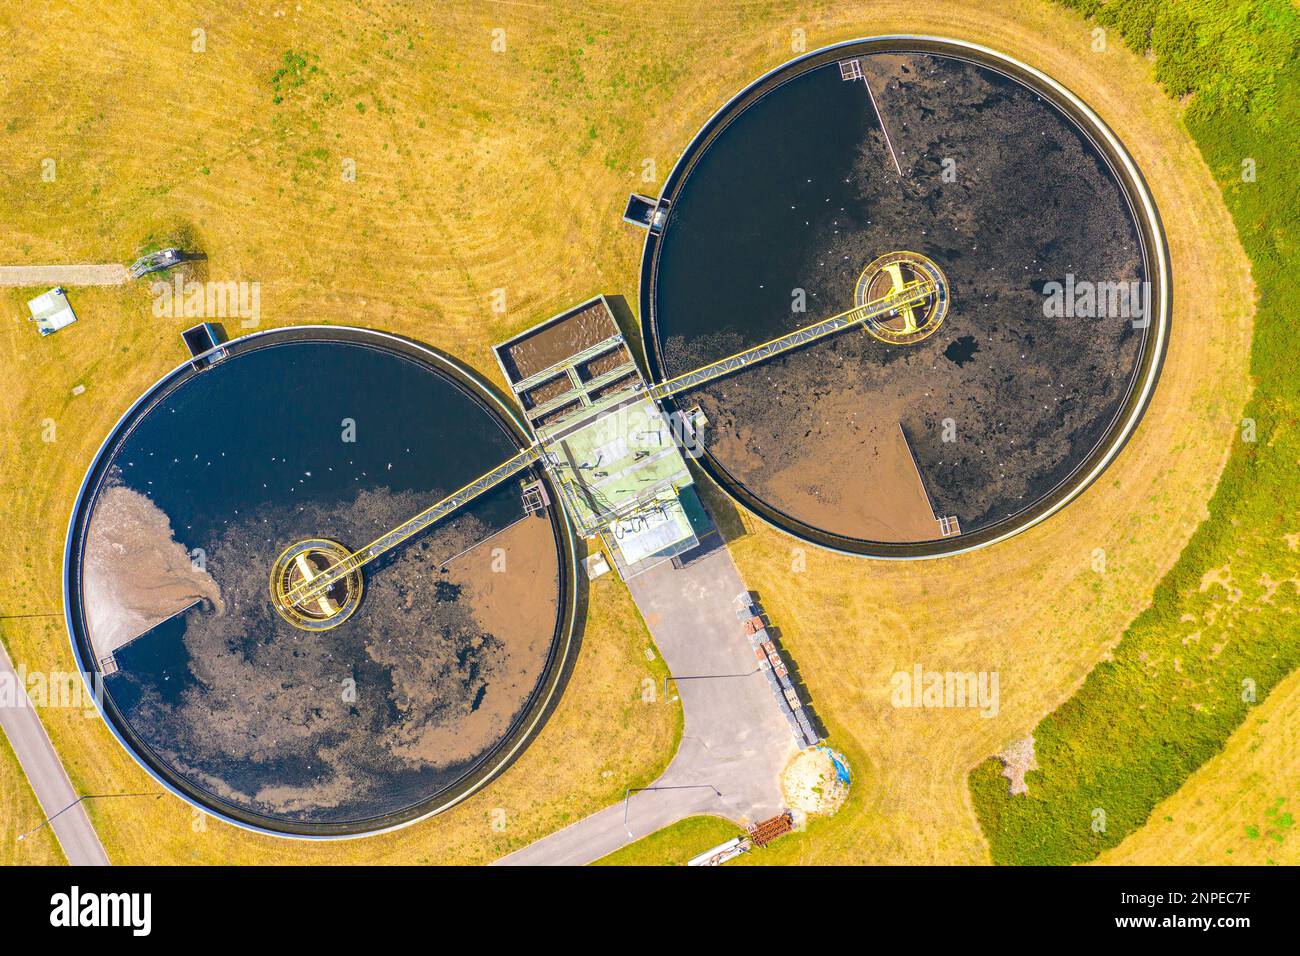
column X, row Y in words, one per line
column 607, row 442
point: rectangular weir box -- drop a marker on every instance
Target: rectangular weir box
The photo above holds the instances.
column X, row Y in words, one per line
column 608, row 444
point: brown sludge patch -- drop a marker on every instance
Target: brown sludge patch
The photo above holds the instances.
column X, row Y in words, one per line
column 540, row 350
column 604, row 363
column 508, row 585
column 552, row 388
column 136, row 574
column 557, row 414
column 862, row 480
column 614, row 387
column 399, row 701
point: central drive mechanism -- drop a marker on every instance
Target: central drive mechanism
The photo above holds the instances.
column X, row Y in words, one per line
column 294, row 571
column 897, row 274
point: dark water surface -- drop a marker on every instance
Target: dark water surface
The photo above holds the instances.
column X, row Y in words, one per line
column 407, row 696
column 800, row 191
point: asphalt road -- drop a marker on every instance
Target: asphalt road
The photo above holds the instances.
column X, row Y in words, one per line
column 49, row 780
column 735, row 741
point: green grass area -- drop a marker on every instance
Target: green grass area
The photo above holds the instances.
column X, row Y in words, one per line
column 1221, row 630
column 674, row 845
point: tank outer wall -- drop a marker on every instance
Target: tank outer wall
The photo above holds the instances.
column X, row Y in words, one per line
column 1155, row 255
column 539, row 706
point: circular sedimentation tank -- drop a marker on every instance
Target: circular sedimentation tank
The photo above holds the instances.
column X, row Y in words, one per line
column 439, row 660
column 860, row 155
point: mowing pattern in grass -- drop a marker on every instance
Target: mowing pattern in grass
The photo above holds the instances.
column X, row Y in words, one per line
column 430, row 226
column 1222, row 629
column 1240, row 807
column 674, row 845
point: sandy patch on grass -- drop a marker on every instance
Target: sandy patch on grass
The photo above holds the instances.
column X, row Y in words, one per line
column 811, row 785
column 1017, row 760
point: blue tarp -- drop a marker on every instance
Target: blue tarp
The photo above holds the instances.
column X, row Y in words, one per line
column 841, row 771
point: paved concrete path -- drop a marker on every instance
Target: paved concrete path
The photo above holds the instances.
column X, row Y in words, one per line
column 111, row 274
column 49, row 780
column 735, row 741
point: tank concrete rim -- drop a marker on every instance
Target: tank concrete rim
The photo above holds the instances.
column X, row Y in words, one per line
column 504, row 752
column 1150, row 233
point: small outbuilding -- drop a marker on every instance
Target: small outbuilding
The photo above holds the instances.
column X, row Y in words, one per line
column 51, row 311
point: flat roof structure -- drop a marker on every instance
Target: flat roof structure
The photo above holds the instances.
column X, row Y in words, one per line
column 51, row 311
column 608, row 443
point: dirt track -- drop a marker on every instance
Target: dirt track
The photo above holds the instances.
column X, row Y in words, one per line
column 111, row 274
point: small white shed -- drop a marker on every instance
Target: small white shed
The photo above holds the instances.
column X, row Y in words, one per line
column 51, row 311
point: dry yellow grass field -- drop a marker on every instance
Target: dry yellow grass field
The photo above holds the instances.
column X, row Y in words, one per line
column 478, row 171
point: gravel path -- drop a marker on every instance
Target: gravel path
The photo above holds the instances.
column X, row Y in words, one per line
column 82, row 274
